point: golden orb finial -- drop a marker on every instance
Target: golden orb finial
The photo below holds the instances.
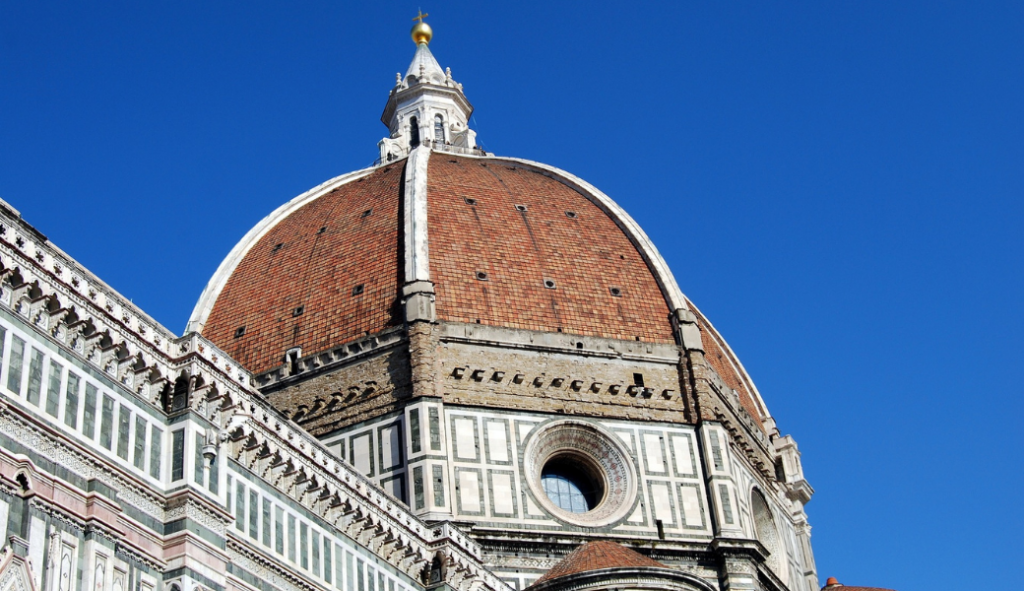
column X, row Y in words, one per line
column 421, row 31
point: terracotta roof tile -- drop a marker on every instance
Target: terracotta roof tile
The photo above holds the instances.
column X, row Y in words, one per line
column 596, row 556
column 523, row 229
column 317, row 270
column 834, row 585
column 557, row 263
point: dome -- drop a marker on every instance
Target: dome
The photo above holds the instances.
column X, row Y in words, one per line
column 595, row 556
column 487, row 240
column 508, row 243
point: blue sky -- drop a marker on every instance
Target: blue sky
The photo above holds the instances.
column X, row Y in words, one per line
column 837, row 185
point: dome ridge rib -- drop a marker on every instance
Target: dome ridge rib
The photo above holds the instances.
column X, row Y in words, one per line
column 417, row 253
column 736, row 365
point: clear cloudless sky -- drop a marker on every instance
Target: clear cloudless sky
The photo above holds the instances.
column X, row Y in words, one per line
column 837, row 185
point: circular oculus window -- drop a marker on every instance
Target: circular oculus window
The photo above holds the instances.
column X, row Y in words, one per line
column 580, row 473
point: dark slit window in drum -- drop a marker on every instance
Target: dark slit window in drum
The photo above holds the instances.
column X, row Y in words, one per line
column 414, row 132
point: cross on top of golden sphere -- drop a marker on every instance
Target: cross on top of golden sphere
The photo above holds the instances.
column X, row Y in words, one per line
column 421, row 31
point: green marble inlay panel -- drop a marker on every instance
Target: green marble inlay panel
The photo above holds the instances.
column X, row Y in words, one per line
column 14, row 367
column 71, row 401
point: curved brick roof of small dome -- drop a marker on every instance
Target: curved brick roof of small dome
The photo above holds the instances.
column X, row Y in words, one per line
column 834, row 585
column 598, row 556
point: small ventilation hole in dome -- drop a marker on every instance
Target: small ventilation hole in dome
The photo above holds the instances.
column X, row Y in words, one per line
column 239, row 331
column 367, row 213
column 298, row 311
column 616, row 291
column 322, row 230
column 278, row 246
column 549, row 283
column 481, row 276
column 571, row 215
column 470, row 201
column 520, row 208
column 357, row 289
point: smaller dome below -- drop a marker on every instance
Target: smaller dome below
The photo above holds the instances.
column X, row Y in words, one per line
column 597, row 556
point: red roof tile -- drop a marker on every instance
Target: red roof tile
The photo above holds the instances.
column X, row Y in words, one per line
column 554, row 261
column 524, row 228
column 596, row 556
column 319, row 271
column 834, row 585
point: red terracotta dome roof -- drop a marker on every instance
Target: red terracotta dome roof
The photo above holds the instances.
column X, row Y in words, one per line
column 298, row 285
column 327, row 267
column 598, row 556
column 554, row 261
column 832, row 584
column 507, row 243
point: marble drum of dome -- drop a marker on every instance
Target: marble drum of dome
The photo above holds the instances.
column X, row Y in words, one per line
column 580, row 473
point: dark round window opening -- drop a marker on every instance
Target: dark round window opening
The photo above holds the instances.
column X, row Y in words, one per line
column 571, row 484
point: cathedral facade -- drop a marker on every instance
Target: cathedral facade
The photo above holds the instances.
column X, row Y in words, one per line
column 451, row 370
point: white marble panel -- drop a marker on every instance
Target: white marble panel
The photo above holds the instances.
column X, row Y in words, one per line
column 391, row 447
column 662, row 501
column 497, row 443
column 691, row 506
column 36, row 546
column 652, row 451
column 503, row 492
column 683, row 456
column 465, row 438
column 469, row 491
column 362, row 448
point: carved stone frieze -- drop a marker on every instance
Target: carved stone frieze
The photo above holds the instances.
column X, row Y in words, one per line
column 201, row 513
